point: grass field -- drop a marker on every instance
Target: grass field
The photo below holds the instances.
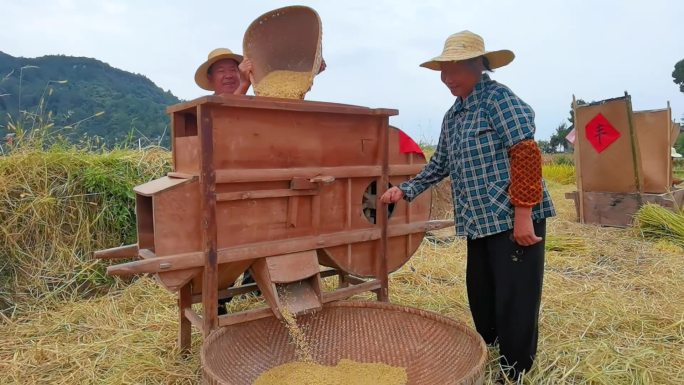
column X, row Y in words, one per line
column 611, row 312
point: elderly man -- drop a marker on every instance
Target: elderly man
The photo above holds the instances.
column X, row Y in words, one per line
column 224, row 72
column 487, row 147
column 227, row 73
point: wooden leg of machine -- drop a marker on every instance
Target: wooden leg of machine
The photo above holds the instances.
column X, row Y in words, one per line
column 185, row 327
column 343, row 282
column 383, row 292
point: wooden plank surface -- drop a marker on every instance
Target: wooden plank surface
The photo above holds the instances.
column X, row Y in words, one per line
column 208, row 220
column 127, row 251
column 158, row 185
column 257, row 102
column 275, row 174
column 265, row 249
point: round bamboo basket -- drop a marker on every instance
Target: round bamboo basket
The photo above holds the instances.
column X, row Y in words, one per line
column 435, row 350
column 288, row 38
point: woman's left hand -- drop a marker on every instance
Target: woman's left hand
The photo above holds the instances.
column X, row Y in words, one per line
column 523, row 229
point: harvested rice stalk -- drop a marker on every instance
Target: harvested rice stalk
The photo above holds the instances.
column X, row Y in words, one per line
column 284, row 84
column 564, row 243
column 655, row 221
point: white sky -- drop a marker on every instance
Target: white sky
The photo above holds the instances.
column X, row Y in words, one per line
column 593, row 49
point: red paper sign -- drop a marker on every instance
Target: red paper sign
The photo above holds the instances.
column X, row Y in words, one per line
column 600, row 133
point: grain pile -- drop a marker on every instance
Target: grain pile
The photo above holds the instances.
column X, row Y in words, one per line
column 284, row 84
column 344, row 373
column 305, row 371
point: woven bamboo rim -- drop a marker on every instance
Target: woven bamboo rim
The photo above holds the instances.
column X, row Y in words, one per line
column 257, row 25
column 434, row 349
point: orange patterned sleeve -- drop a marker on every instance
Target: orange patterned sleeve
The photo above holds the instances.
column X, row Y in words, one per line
column 525, row 189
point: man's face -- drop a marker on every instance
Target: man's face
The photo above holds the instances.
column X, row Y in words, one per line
column 224, row 76
column 460, row 77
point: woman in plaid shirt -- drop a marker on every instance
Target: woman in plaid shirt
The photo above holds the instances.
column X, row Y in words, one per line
column 487, row 147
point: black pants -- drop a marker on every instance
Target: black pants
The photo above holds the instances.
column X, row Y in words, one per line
column 504, row 282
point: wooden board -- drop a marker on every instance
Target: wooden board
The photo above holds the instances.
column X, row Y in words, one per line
column 653, row 130
column 618, row 209
column 676, row 130
column 158, row 185
column 614, row 169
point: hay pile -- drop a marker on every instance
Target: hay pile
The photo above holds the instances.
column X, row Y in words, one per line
column 126, row 337
column 56, row 208
column 611, row 314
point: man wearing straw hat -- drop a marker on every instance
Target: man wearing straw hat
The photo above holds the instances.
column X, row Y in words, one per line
column 224, row 72
column 487, row 147
column 227, row 73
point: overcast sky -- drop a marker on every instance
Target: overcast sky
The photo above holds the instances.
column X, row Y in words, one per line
column 593, row 49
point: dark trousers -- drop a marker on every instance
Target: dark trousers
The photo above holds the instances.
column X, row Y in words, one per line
column 504, row 282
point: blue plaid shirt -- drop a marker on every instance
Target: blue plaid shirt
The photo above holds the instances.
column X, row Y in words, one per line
column 473, row 150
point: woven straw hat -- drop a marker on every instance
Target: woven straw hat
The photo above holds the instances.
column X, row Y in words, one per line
column 466, row 45
column 218, row 54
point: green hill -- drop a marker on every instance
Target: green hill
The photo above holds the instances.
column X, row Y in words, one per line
column 77, row 88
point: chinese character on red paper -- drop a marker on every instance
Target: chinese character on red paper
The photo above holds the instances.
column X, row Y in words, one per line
column 601, row 133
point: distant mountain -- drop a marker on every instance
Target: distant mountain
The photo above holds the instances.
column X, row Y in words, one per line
column 132, row 104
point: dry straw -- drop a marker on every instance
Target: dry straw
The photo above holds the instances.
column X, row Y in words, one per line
column 654, row 221
column 611, row 314
column 58, row 206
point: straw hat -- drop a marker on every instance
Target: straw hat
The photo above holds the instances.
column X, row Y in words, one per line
column 218, row 54
column 466, row 45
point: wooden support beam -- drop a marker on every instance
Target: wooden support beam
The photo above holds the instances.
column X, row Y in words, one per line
column 351, row 290
column 247, row 315
column 121, row 252
column 207, row 180
column 230, row 292
column 382, row 213
column 278, row 174
column 261, row 194
column 195, row 319
column 185, row 325
column 265, row 249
